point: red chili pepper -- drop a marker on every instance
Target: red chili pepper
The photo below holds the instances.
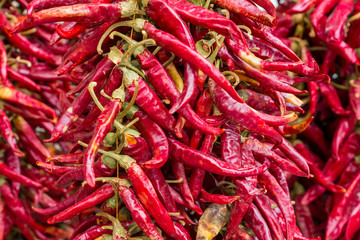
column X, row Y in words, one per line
column 354, row 98
column 163, row 84
column 172, row 44
column 337, row 20
column 3, row 62
column 181, row 201
column 344, row 128
column 78, row 106
column 139, row 213
column 25, row 45
column 304, row 218
column 149, row 102
column 17, row 209
column 79, row 12
column 44, row 4
column 341, row 211
column 240, row 113
column 282, row 200
column 146, row 193
column 216, row 198
column 198, row 175
column 23, row 80
column 28, row 132
column 103, row 127
column 184, row 154
column 83, row 50
column 14, row 96
column 7, row 172
column 7, row 133
column 80, row 194
column 113, row 83
column 154, row 136
column 94, row 233
column 13, row 162
column 257, row 223
column 249, row 10
column 154, row 8
column 302, row 6
column 258, row 149
column 264, row 207
column 263, row 77
column 206, row 18
column 104, row 192
column 353, row 223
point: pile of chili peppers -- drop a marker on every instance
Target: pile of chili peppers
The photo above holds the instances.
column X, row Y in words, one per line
column 175, row 119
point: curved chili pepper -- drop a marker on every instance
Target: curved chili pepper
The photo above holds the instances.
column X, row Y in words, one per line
column 94, row 233
column 302, row 6
column 3, row 62
column 197, row 175
column 16, row 207
column 162, row 82
column 66, row 203
column 340, row 213
column 154, row 136
column 14, row 96
column 7, row 133
column 18, row 77
column 139, row 213
column 179, row 173
column 240, row 113
column 28, row 132
column 44, row 4
column 83, row 50
column 353, row 223
column 304, row 218
column 230, row 144
column 336, row 21
column 181, row 201
column 257, row 223
column 78, row 106
column 216, row 198
column 104, row 192
column 354, row 98
column 249, row 10
column 282, row 200
column 149, row 102
column 256, row 147
column 146, row 192
column 344, row 128
column 13, row 162
column 25, row 45
column 172, row 44
column 103, row 127
column 7, row 172
column 206, row 18
column 259, row 75
column 294, row 129
column 184, row 154
column 264, row 207
column 212, row 220
column 113, row 83
column 154, row 8
column 79, row 12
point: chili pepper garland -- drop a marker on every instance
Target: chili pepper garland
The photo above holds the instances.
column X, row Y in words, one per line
column 179, row 119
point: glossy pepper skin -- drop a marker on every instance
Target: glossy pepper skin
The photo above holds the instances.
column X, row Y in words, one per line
column 184, row 154
column 240, row 113
column 157, row 10
column 155, row 138
column 7, row 133
column 103, row 193
column 103, row 127
column 138, row 212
